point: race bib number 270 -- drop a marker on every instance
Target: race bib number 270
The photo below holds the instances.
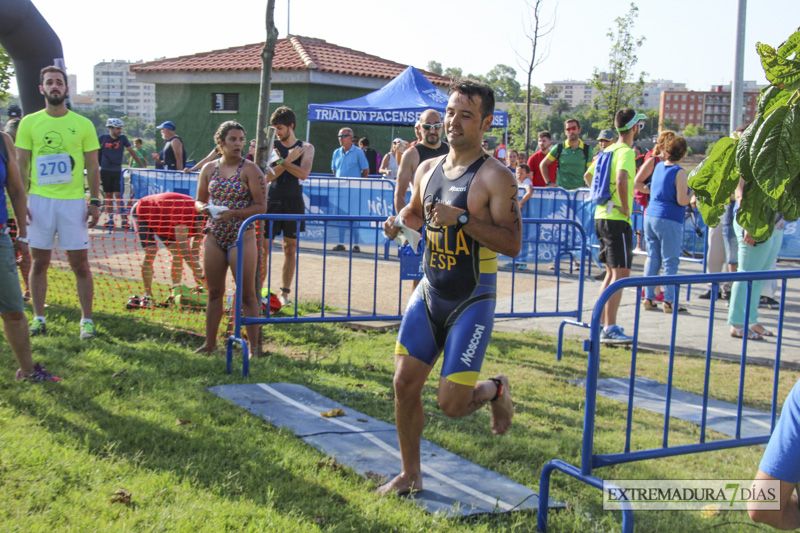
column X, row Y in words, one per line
column 53, row 169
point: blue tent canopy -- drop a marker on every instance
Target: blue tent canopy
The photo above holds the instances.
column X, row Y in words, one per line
column 399, row 102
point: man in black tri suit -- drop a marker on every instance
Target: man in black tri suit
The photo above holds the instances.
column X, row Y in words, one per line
column 468, row 201
column 285, row 194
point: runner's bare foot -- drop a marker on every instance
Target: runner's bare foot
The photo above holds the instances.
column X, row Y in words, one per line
column 206, row 349
column 502, row 409
column 400, row 485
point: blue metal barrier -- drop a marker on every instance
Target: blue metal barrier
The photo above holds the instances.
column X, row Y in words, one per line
column 546, row 241
column 546, row 202
column 591, row 460
column 325, row 220
column 558, row 236
column 147, row 181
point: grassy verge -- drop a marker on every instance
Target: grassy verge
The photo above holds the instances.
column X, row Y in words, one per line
column 192, row 461
column 112, row 293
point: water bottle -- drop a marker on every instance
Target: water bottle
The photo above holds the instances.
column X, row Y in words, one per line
column 230, row 296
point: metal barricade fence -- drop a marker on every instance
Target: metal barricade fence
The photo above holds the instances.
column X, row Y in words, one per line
column 695, row 244
column 145, row 181
column 349, row 197
column 545, row 241
column 547, row 237
column 591, row 460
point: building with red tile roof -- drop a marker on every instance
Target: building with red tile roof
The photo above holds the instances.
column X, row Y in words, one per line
column 200, row 91
column 292, row 54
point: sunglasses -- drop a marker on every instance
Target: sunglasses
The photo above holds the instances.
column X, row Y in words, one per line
column 429, row 127
column 344, row 136
column 572, row 128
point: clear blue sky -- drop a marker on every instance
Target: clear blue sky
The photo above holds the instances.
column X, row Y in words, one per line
column 690, row 41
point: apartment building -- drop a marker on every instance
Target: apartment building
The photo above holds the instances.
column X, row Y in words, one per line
column 115, row 86
column 577, row 92
column 708, row 109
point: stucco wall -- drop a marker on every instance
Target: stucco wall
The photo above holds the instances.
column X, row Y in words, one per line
column 189, row 107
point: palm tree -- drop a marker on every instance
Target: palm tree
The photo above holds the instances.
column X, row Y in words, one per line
column 560, row 107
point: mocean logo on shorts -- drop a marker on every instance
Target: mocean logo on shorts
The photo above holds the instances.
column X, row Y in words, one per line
column 457, row 189
column 469, row 355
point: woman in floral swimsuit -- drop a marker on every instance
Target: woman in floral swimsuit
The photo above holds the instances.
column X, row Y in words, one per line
column 238, row 185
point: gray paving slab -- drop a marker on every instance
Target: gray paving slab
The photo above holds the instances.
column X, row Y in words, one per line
column 652, row 396
column 452, row 485
column 656, row 329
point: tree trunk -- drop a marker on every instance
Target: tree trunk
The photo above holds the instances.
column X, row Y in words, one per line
column 267, row 53
column 528, row 113
column 262, row 150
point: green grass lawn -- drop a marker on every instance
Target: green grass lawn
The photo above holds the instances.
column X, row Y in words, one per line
column 192, row 461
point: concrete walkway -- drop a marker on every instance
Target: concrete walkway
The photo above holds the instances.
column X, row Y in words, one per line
column 655, row 329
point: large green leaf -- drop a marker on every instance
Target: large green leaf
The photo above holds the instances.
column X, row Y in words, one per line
column 791, row 45
column 772, row 98
column 754, row 214
column 715, row 179
column 780, row 70
column 743, row 163
column 775, row 151
column 789, row 203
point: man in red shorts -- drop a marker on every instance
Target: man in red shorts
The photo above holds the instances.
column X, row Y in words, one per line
column 171, row 218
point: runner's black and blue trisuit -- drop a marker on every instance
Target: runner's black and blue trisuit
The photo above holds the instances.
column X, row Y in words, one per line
column 452, row 310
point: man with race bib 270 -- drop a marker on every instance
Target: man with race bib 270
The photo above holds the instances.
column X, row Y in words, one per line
column 54, row 146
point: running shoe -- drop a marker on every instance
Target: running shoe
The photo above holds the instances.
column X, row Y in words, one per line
column 38, row 327
column 769, row 303
column 87, row 331
column 146, row 303
column 707, row 295
column 109, row 225
column 38, row 374
column 614, row 335
column 133, row 302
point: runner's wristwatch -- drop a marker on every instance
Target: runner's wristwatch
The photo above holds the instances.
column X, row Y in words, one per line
column 95, row 202
column 463, row 218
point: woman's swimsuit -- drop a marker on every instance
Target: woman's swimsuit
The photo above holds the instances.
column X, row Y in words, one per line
column 231, row 193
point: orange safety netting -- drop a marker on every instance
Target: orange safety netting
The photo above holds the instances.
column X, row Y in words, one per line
column 145, row 261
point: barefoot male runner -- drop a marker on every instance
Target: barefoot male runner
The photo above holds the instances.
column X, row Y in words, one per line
column 469, row 204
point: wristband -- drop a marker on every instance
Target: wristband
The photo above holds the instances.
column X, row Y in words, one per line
column 26, row 240
column 95, row 202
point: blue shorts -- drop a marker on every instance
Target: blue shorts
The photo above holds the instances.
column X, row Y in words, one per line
column 461, row 328
column 10, row 290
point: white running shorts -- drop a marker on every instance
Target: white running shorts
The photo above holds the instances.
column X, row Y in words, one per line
column 51, row 216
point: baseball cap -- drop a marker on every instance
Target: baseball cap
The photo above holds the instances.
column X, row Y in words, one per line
column 14, row 112
column 606, row 135
column 397, row 140
column 637, row 117
column 167, row 124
